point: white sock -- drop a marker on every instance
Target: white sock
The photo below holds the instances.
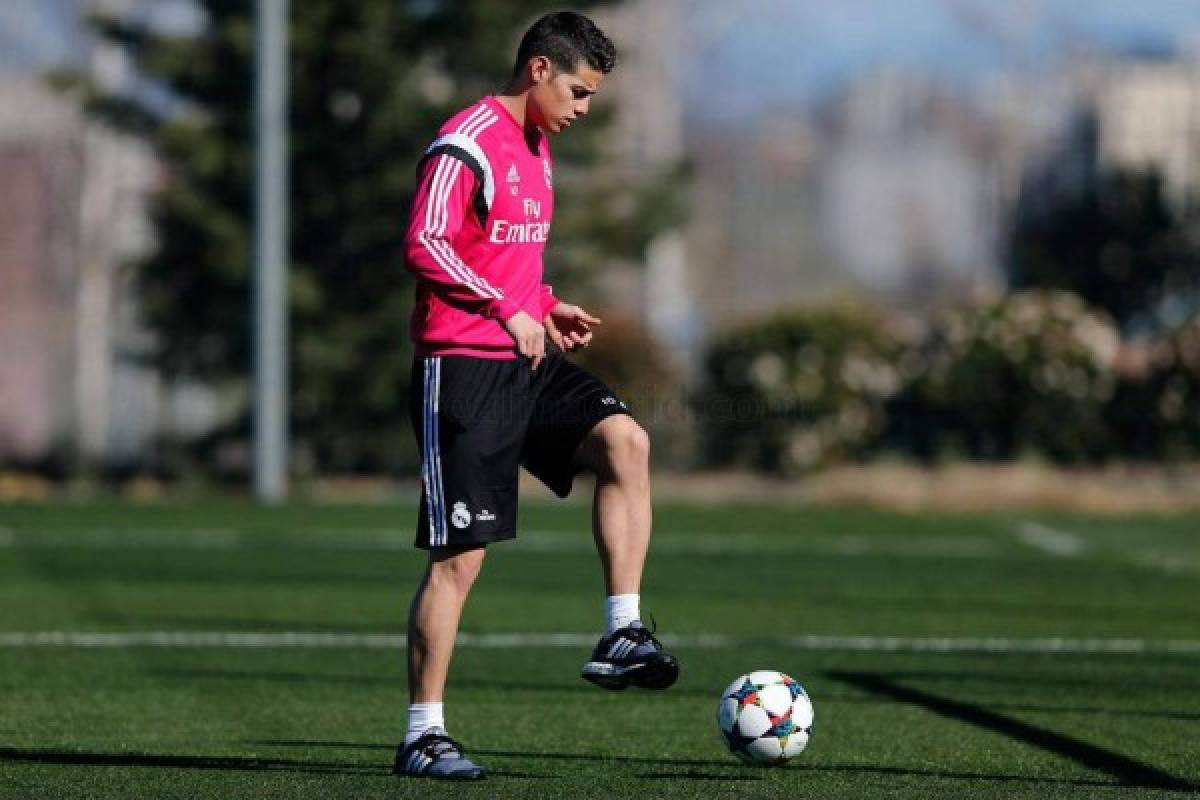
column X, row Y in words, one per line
column 422, row 717
column 621, row 610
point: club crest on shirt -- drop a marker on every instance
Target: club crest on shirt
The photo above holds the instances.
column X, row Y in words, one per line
column 460, row 516
column 548, row 172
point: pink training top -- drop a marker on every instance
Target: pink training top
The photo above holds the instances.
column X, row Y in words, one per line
column 476, row 233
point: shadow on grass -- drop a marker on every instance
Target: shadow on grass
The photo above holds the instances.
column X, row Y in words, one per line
column 1022, row 679
column 596, row 757
column 321, row 743
column 863, row 770
column 397, row 680
column 713, row 770
column 743, row 772
column 235, row 763
column 1139, row 713
column 1126, row 770
column 281, row 677
column 578, row 686
column 230, row 763
column 592, row 757
column 1017, row 677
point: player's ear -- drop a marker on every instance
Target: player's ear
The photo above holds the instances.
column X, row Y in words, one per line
column 540, row 69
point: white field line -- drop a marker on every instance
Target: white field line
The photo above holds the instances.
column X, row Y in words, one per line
column 1164, row 562
column 311, row 640
column 538, row 541
column 1064, row 544
column 113, row 539
column 1054, row 541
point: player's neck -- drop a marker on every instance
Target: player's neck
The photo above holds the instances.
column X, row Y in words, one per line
column 515, row 101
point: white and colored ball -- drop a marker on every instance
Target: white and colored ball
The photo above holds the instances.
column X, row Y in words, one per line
column 765, row 717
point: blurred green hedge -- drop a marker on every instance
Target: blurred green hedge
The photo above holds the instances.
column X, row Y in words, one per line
column 1029, row 373
column 1034, row 373
column 800, row 389
column 1155, row 412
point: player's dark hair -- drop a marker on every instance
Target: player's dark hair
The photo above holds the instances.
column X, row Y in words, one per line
column 566, row 38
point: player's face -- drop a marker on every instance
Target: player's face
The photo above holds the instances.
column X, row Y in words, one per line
column 559, row 98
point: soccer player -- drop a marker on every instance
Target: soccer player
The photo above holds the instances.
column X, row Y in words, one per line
column 489, row 396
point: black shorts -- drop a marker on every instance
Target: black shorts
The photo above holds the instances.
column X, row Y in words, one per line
column 477, row 420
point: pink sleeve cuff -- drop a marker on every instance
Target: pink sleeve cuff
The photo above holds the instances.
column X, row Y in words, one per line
column 503, row 309
column 549, row 301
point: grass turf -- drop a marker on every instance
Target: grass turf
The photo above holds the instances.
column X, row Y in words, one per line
column 276, row 722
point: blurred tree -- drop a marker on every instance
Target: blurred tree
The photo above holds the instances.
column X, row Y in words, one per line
column 1112, row 238
column 802, row 388
column 370, row 81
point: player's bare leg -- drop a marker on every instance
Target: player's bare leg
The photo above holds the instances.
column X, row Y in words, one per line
column 432, row 627
column 617, row 451
column 433, row 619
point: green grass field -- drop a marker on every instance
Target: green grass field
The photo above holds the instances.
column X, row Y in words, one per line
column 947, row 656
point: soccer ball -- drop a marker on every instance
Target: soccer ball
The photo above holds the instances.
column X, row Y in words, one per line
column 765, row 717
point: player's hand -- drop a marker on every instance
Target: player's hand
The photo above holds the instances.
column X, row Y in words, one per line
column 569, row 326
column 529, row 336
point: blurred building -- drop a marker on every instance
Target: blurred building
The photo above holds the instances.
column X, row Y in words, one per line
column 895, row 186
column 886, row 187
column 1099, row 113
column 648, row 137
column 908, row 193
column 753, row 239
column 71, row 212
column 74, row 386
column 1148, row 117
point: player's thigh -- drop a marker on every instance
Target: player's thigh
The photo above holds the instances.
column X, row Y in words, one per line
column 570, row 403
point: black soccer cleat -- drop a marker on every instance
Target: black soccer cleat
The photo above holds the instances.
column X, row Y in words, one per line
column 436, row 755
column 631, row 656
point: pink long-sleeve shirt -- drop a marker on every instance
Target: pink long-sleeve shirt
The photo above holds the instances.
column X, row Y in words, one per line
column 476, row 233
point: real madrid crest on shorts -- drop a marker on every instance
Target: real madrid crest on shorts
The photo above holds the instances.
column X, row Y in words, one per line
column 460, row 516
column 548, row 172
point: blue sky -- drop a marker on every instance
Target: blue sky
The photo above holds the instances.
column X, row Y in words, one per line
column 756, row 53
column 41, row 33
column 35, row 32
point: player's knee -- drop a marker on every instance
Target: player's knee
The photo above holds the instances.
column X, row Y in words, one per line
column 457, row 572
column 627, row 446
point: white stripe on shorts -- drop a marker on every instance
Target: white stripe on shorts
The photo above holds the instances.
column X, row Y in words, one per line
column 431, row 458
column 437, row 449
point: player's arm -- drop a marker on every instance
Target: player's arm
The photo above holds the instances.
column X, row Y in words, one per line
column 445, row 189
